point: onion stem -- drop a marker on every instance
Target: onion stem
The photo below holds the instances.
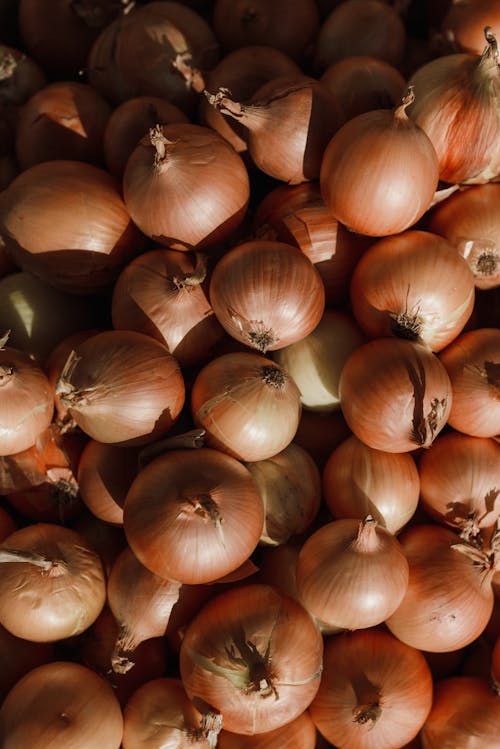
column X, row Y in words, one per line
column 31, row 557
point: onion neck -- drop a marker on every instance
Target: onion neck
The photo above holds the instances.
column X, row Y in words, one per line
column 211, row 726
column 367, row 539
column 194, row 277
column 368, row 709
column 205, row 507
column 255, row 332
column 489, row 61
column 51, row 567
column 407, row 325
column 400, row 115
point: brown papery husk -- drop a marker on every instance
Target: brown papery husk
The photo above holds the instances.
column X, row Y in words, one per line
column 290, row 121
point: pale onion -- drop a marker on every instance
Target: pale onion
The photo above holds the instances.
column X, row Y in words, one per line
column 141, row 603
column 18, row 656
column 248, row 406
column 290, row 486
column 62, row 579
column 255, row 656
column 395, row 394
column 300, row 733
column 391, row 168
column 449, row 599
column 315, row 362
column 375, row 691
column 26, row 400
column 359, row 481
column 122, row 387
column 456, row 105
column 60, row 705
column 351, row 574
column 413, row 285
column 267, row 294
column 185, row 186
column 469, row 220
column 162, row 293
column 460, row 482
column 66, row 222
column 465, row 712
column 193, row 515
column 472, row 361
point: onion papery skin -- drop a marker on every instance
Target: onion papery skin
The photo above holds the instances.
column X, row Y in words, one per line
column 192, row 193
column 460, row 482
column 59, row 602
column 375, row 691
column 315, row 362
column 254, row 655
column 464, row 22
column 455, row 104
column 63, row 120
column 406, row 401
column 124, row 388
column 154, row 34
column 242, row 71
column 291, row 30
column 395, row 289
column 161, row 293
column 61, row 705
column 468, row 219
column 162, row 703
column 248, row 406
column 193, row 515
column 300, row 733
column 66, row 222
column 131, row 121
column 391, row 168
column 465, row 712
column 26, row 401
column 267, row 294
column 290, row 485
column 351, row 574
column 472, row 361
column 359, row 481
column 449, row 599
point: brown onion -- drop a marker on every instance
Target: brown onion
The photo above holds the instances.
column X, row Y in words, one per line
column 60, row 705
column 122, row 387
column 21, row 77
column 395, row 395
column 390, row 166
column 62, row 579
column 359, row 481
column 464, row 22
column 267, row 294
column 185, row 186
column 248, row 406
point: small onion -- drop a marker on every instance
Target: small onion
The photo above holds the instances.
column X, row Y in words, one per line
column 351, row 574
column 248, row 406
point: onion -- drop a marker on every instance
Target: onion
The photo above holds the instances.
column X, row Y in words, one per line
column 290, row 485
column 300, row 733
column 267, row 294
column 161, row 293
column 403, row 403
column 359, row 481
column 21, row 77
column 290, row 29
column 463, row 23
column 468, row 219
column 375, row 691
column 351, row 574
column 390, row 166
column 395, row 289
column 455, row 104
column 18, row 656
column 464, row 709
column 61, row 705
column 460, row 482
column 248, row 406
column 163, row 703
column 131, row 121
column 141, row 603
column 193, row 515
column 26, row 400
column 185, row 186
column 62, row 581
column 290, row 120
column 360, row 27
column 472, row 361
column 315, row 362
column 122, row 387
column 449, row 599
column 254, row 655
column 66, row 222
